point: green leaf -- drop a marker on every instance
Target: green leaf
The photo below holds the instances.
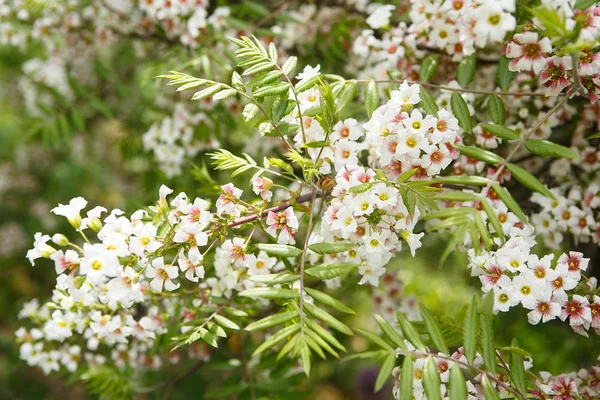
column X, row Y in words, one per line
column 493, row 218
column 281, row 250
column 501, row 131
column 204, row 93
column 306, row 359
column 550, row 20
column 225, row 94
column 509, row 201
column 346, row 95
column 428, row 102
column 583, row 4
column 465, row 72
column 503, row 75
column 279, row 108
column 545, row 148
column 458, row 386
column 331, row 248
column 390, row 332
column 385, row 372
column 329, row 271
column 328, row 300
column 488, row 390
column 433, row 330
column 278, row 89
column 487, row 342
column 594, row 136
column 528, row 180
column 496, row 109
column 431, row 380
column 276, row 338
column 373, row 338
column 274, row 279
column 479, row 154
column 461, row 112
column 371, row 98
column 463, row 180
column 325, row 334
column 517, row 369
column 456, row 196
column 317, row 144
column 471, row 330
column 428, row 67
column 272, row 320
column 406, row 378
column 269, row 293
column 290, row 65
column 406, row 175
column 225, row 322
column 327, row 318
column 410, row 332
column 457, row 237
column 360, row 188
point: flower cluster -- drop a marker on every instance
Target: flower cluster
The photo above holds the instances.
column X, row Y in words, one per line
column 174, row 140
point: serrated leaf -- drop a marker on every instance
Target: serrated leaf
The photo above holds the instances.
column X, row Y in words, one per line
column 479, row 154
column 346, row 95
column 546, row 148
column 428, row 68
column 503, row 75
column 471, row 330
column 275, row 90
column 363, row 187
column 410, row 332
column 465, row 72
column 528, row 180
column 328, row 301
column 371, row 98
column 495, row 107
column 209, row 91
column 433, row 330
column 594, row 136
column 225, row 94
column 331, row 248
column 390, row 332
column 317, row 144
column 281, row 250
column 406, row 378
column 487, row 342
column 290, row 65
column 456, row 196
column 458, row 386
column 272, row 320
column 428, row 102
column 329, row 271
column 517, row 370
column 270, row 293
column 461, row 112
column 431, row 380
column 373, row 338
column 385, row 372
column 501, row 131
column 325, row 334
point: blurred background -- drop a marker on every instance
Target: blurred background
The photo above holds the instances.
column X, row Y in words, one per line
column 75, row 122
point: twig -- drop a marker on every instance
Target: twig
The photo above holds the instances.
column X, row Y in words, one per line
column 309, row 229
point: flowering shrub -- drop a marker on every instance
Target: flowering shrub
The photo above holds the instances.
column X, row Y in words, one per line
column 466, row 121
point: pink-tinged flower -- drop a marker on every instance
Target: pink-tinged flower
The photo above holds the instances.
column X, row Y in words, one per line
column 544, row 309
column 285, row 221
column 589, row 63
column 236, row 248
column 556, row 76
column 262, row 187
column 493, row 277
column 528, row 52
column 576, row 310
column 564, row 388
column 197, row 212
column 64, row 261
column 592, row 86
column 575, row 263
column 226, row 203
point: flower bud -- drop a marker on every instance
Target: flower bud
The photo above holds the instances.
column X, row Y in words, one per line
column 95, row 224
column 60, row 239
column 75, row 221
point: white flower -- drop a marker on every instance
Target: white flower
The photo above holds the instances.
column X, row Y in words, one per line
column 192, row 265
column 40, row 248
column 261, row 264
column 98, row 262
column 309, row 72
column 162, row 275
column 504, row 299
column 71, row 211
column 380, row 16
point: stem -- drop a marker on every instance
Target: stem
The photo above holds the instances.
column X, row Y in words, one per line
column 581, row 90
column 309, row 229
column 302, row 199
